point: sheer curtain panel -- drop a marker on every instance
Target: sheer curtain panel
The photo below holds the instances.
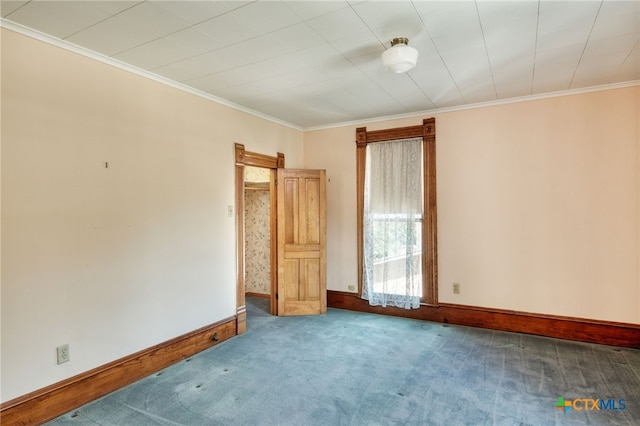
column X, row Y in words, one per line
column 393, row 214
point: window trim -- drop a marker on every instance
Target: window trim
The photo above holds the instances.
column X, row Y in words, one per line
column 427, row 131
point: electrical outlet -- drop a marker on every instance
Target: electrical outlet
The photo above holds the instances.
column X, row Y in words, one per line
column 63, row 353
column 230, row 211
column 352, row 287
column 456, row 288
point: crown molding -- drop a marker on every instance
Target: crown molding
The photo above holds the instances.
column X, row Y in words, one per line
column 4, row 23
column 435, row 111
column 20, row 29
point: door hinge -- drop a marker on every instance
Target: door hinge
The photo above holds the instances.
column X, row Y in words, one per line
column 276, row 296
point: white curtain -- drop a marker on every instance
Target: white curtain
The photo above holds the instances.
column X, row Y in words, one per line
column 393, row 212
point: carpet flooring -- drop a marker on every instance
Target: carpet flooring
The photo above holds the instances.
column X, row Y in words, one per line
column 349, row 368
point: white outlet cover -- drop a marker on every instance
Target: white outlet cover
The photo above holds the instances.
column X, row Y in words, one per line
column 62, row 352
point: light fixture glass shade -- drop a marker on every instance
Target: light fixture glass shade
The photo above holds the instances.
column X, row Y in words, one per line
column 400, row 57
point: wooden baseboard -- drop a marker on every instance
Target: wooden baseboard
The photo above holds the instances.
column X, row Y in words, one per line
column 260, row 295
column 583, row 330
column 52, row 401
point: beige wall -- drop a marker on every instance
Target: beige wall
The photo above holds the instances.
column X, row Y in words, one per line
column 538, row 204
column 112, row 260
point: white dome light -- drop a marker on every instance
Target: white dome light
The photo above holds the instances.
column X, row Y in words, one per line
column 400, row 57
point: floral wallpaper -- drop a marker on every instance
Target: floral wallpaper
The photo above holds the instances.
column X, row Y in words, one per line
column 256, row 174
column 257, row 242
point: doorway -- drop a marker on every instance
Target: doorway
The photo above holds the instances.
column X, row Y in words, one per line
column 243, row 160
column 257, row 234
column 297, row 237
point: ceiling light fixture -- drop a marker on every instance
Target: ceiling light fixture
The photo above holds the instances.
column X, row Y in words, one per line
column 400, row 57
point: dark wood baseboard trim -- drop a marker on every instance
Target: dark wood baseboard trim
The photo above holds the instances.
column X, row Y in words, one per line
column 52, row 401
column 583, row 330
column 260, row 295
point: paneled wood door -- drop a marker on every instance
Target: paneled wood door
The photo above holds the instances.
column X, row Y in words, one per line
column 302, row 278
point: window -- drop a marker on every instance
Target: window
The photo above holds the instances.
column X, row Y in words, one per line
column 397, row 215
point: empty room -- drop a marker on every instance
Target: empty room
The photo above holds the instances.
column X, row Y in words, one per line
column 320, row 212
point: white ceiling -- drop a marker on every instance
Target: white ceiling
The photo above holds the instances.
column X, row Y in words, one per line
column 317, row 63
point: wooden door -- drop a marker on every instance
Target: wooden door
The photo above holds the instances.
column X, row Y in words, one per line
column 302, row 282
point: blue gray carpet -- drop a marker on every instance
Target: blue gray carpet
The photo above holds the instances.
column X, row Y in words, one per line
column 348, row 368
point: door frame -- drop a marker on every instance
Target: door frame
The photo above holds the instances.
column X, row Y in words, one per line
column 246, row 158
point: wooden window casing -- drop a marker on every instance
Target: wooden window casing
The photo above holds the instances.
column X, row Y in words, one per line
column 426, row 131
